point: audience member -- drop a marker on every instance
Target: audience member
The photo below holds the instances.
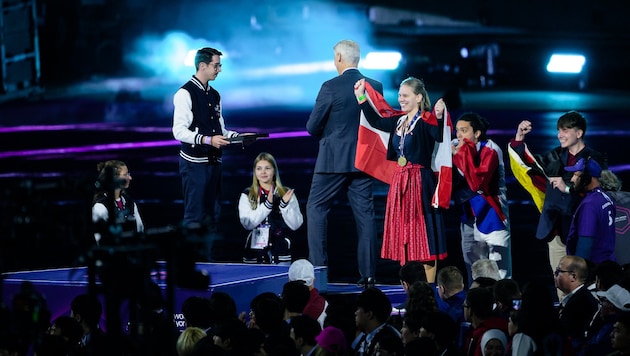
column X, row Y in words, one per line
column 493, row 343
column 578, row 306
column 411, row 272
column 485, row 268
column 620, row 336
column 230, row 335
column 440, row 327
column 198, row 312
column 304, row 330
column 87, row 309
column 483, row 282
column 389, row 345
column 505, row 292
column 267, row 314
column 222, row 306
column 607, row 273
column 68, row 328
column 478, row 312
column 331, row 342
column 295, row 295
column 255, row 342
column 280, row 344
column 341, row 314
column 613, row 302
column 451, row 292
column 187, row 340
column 303, row 270
column 421, row 298
column 536, row 325
column 373, row 310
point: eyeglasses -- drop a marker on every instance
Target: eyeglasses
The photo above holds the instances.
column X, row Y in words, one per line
column 215, row 65
column 558, row 271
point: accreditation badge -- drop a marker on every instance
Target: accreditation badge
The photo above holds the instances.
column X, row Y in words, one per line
column 260, row 237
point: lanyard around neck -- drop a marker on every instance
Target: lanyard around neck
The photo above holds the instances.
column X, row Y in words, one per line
column 405, row 131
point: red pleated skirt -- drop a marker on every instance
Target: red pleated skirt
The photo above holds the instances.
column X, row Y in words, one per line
column 405, row 236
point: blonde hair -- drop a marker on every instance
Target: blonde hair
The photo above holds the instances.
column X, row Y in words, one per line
column 417, row 86
column 187, row 340
column 255, row 187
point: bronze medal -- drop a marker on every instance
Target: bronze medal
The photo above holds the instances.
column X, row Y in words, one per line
column 402, row 161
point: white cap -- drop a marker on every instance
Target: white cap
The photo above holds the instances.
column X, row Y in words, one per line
column 618, row 296
column 302, row 270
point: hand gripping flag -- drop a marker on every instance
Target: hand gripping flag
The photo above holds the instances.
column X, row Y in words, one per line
column 371, row 155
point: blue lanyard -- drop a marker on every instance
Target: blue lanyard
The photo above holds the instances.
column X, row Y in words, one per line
column 401, row 145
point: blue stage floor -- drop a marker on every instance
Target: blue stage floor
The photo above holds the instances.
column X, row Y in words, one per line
column 242, row 282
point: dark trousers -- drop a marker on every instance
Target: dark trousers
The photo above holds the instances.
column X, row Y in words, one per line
column 201, row 187
column 324, row 189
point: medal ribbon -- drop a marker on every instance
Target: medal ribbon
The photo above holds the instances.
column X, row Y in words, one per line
column 404, row 131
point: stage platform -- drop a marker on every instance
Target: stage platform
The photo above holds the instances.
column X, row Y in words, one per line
column 241, row 281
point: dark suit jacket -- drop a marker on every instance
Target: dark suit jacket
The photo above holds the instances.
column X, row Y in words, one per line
column 335, row 120
column 576, row 315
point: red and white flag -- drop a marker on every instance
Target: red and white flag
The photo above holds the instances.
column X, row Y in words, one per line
column 371, row 155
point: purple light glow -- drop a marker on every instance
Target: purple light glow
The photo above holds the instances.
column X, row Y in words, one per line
column 120, row 146
column 98, row 127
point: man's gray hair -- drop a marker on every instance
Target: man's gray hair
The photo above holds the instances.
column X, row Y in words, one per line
column 485, row 268
column 349, row 50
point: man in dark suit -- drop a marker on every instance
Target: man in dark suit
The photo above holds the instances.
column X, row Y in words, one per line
column 578, row 306
column 335, row 120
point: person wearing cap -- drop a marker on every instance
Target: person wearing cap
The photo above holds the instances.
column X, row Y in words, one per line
column 592, row 230
column 303, row 270
column 198, row 124
column 613, row 302
column 544, row 177
column 331, row 341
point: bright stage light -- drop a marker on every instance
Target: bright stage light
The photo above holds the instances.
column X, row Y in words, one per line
column 566, row 63
column 189, row 61
column 382, row 60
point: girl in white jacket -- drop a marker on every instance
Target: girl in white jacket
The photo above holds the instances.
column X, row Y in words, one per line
column 271, row 212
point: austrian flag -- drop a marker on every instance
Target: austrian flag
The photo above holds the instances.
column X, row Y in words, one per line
column 371, row 156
